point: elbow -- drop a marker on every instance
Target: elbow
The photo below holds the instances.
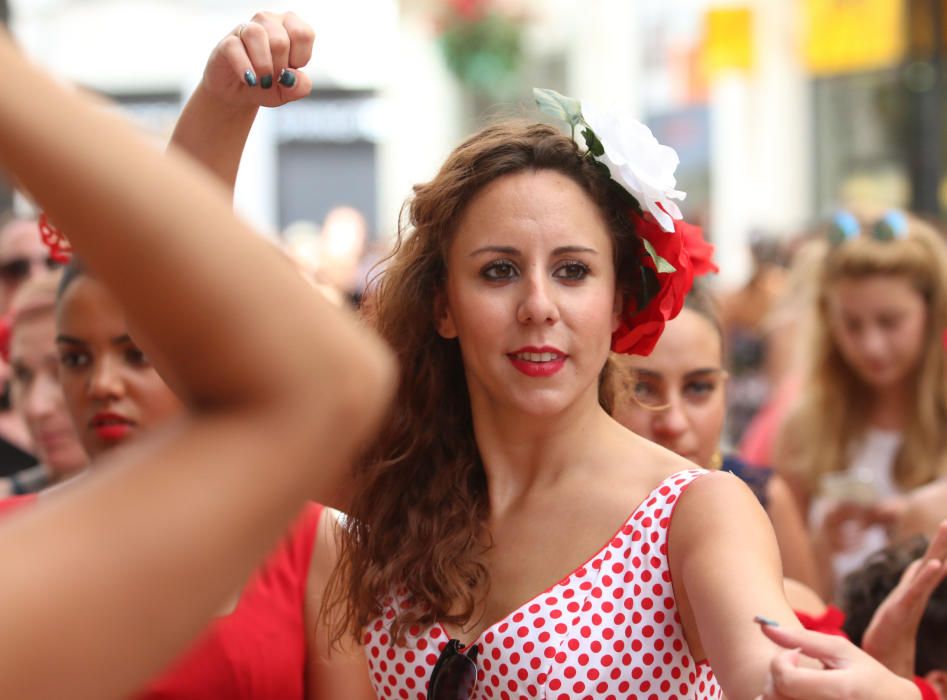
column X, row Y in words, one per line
column 357, row 387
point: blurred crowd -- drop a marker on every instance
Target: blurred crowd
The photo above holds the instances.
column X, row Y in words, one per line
column 820, row 384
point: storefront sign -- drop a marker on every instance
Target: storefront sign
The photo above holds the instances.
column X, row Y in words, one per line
column 844, row 36
column 729, row 39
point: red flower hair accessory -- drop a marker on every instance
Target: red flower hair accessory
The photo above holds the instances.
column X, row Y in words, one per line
column 6, row 326
column 673, row 259
column 672, row 251
column 54, row 240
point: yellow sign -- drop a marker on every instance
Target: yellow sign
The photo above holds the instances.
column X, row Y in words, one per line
column 843, row 36
column 729, row 39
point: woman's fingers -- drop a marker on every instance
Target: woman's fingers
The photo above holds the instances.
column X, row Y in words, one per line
column 234, row 52
column 301, row 40
column 264, row 53
column 926, row 577
column 790, row 681
column 255, row 41
column 826, row 648
column 277, row 43
column 938, row 546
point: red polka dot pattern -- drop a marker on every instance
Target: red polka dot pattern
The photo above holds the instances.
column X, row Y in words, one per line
column 610, row 629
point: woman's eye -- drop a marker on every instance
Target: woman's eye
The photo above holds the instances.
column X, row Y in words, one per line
column 73, row 360
column 572, row 271
column 645, row 390
column 22, row 375
column 136, row 357
column 889, row 323
column 852, row 327
column 499, row 270
column 700, row 390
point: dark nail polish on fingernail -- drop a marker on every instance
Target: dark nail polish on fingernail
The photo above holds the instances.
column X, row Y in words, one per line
column 250, row 77
column 287, row 78
column 266, row 82
column 759, row 619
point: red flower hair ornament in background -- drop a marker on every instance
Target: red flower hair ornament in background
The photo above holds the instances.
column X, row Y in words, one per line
column 54, row 240
column 6, row 326
column 672, row 252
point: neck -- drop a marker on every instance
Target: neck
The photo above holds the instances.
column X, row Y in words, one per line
column 522, row 452
column 890, row 407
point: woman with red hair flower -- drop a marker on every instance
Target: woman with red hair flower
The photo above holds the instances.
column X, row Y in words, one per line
column 498, row 477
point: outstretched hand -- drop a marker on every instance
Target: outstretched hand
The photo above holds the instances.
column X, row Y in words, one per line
column 257, row 64
column 891, row 636
column 849, row 672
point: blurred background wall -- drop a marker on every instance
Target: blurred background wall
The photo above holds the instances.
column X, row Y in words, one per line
column 780, row 109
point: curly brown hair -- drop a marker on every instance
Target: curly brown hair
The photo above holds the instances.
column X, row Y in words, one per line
column 416, row 523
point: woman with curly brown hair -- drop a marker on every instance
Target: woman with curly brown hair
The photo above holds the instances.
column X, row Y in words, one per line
column 505, row 536
column 499, row 477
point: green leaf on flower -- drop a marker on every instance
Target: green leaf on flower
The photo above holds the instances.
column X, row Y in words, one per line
column 592, row 143
column 559, row 106
column 663, row 265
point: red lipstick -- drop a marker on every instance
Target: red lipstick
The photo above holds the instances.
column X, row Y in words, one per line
column 111, row 427
column 538, row 362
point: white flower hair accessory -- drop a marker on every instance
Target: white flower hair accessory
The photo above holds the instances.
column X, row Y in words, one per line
column 671, row 252
column 634, row 157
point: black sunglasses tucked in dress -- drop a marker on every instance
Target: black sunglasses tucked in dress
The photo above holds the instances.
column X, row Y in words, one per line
column 455, row 673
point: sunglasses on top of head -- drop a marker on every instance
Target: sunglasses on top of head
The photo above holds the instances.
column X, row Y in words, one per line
column 845, row 226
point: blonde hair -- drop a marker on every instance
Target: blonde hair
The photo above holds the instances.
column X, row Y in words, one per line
column 832, row 411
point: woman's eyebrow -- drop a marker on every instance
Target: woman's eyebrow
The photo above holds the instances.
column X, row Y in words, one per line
column 646, row 373
column 703, row 370
column 63, row 338
column 510, row 250
column 562, row 250
column 504, row 249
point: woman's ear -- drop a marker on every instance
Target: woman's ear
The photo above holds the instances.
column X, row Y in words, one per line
column 443, row 319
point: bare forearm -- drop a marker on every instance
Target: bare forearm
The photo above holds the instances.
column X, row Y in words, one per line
column 108, row 580
column 115, row 574
column 214, row 132
column 173, row 266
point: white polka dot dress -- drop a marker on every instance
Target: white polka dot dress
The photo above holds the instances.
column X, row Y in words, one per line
column 610, row 629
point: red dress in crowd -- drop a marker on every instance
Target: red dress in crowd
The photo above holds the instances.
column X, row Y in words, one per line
column 258, row 651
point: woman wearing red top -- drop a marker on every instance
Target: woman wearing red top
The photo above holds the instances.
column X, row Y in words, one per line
column 265, row 642
column 106, row 579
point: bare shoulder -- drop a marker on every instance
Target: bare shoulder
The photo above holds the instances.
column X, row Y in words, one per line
column 325, row 555
column 718, row 504
column 325, row 549
column 719, row 484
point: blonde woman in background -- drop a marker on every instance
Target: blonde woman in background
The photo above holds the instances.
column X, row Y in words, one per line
column 868, row 426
